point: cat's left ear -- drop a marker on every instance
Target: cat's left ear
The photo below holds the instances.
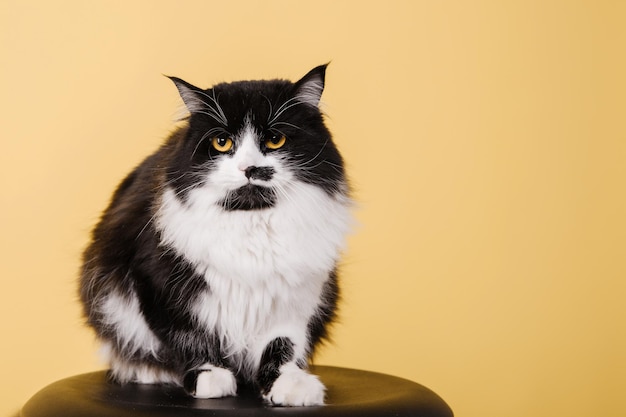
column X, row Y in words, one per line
column 310, row 87
column 191, row 95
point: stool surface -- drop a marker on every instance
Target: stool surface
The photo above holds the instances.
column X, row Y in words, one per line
column 350, row 392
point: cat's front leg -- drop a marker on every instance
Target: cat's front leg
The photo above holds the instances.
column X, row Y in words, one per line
column 283, row 380
column 210, row 381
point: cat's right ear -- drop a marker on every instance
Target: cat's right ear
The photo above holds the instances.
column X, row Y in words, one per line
column 309, row 89
column 191, row 95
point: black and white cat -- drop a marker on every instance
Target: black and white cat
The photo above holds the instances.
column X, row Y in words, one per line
column 216, row 260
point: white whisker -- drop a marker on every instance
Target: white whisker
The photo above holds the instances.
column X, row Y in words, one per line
column 287, row 124
column 294, row 101
column 219, row 113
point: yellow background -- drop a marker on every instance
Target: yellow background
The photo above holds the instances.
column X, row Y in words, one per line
column 486, row 143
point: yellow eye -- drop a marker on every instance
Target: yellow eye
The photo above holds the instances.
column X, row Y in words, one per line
column 222, row 144
column 276, row 142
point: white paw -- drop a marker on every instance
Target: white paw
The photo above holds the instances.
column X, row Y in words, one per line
column 215, row 383
column 295, row 387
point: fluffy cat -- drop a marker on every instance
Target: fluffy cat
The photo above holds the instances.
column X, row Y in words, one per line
column 215, row 262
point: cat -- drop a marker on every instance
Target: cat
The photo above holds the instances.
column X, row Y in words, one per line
column 215, row 263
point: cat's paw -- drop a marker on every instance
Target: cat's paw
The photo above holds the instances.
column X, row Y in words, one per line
column 295, row 387
column 210, row 382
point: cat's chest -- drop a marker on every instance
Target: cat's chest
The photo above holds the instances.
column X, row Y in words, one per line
column 298, row 239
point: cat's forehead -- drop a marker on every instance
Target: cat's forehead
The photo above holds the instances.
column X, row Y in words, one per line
column 245, row 102
column 252, row 90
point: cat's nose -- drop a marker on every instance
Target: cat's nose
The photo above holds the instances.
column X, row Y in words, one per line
column 259, row 173
column 249, row 171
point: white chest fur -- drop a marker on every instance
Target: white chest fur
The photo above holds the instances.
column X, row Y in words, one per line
column 302, row 235
column 265, row 268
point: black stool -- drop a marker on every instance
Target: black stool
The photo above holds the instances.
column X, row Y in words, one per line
column 349, row 392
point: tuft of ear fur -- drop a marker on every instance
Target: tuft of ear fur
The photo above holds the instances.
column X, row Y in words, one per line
column 190, row 94
column 310, row 87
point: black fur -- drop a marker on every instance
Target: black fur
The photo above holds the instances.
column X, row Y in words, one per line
column 276, row 354
column 249, row 197
column 326, row 312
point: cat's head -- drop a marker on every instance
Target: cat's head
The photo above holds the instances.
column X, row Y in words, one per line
column 249, row 141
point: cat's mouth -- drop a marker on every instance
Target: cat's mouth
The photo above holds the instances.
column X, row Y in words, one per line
column 249, row 197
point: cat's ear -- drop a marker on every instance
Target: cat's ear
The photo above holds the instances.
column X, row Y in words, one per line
column 310, row 87
column 191, row 95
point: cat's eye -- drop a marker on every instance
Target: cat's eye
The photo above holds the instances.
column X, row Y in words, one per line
column 222, row 144
column 276, row 142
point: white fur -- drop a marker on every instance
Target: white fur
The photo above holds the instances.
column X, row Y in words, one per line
column 215, row 382
column 124, row 314
column 249, row 319
column 248, row 155
column 295, row 387
column 302, row 235
column 125, row 371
